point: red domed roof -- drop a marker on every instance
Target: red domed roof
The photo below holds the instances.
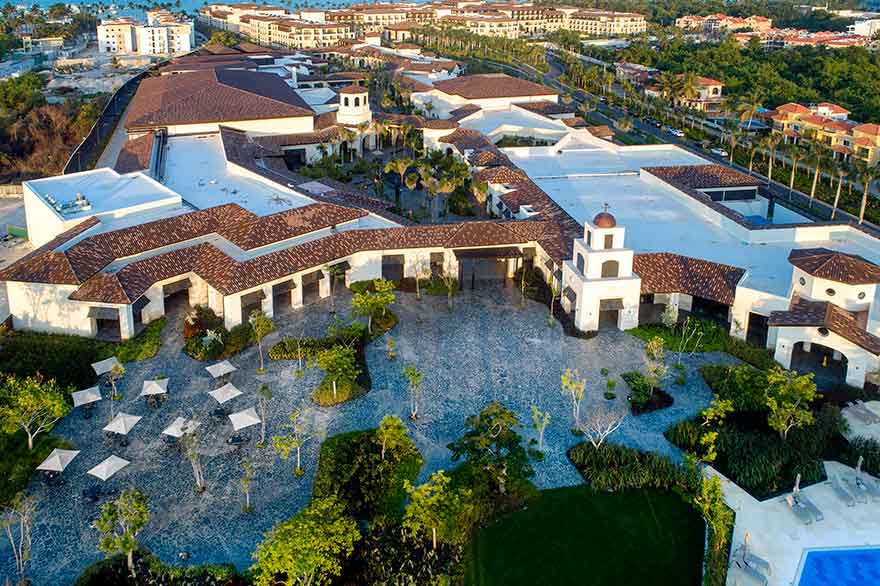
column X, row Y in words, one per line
column 604, row 220
column 353, row 89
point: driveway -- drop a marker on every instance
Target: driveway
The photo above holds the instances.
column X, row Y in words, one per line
column 489, row 347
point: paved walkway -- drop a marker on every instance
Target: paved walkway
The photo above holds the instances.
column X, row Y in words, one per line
column 116, row 142
column 488, row 347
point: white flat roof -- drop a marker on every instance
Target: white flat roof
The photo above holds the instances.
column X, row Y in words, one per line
column 105, row 189
column 659, row 218
column 587, row 156
column 196, row 168
column 489, row 121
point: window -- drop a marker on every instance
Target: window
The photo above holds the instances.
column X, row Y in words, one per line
column 823, row 331
column 830, row 292
column 589, row 238
column 345, row 102
column 610, row 269
column 862, row 295
column 357, row 102
column 580, row 263
column 609, row 241
column 802, row 281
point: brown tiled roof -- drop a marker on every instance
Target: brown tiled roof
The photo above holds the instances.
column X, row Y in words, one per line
column 601, row 131
column 466, row 138
column 545, row 107
column 835, row 266
column 353, row 89
column 213, row 96
column 492, row 85
column 135, row 154
column 45, row 264
column 460, row 114
column 664, row 272
column 575, row 122
column 709, row 176
column 501, row 175
column 845, row 324
column 490, row 157
column 415, row 121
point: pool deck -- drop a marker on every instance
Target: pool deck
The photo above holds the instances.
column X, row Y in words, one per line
column 778, row 536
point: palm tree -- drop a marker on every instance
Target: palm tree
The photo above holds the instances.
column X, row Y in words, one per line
column 399, row 166
column 842, row 172
column 867, row 175
column 816, row 156
column 669, row 86
column 733, row 139
column 749, row 106
column 362, row 130
column 380, row 128
column 770, row 144
column 752, row 148
column 687, row 87
column 795, row 154
column 347, row 135
column 480, row 190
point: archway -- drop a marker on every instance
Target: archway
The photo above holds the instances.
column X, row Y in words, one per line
column 827, row 365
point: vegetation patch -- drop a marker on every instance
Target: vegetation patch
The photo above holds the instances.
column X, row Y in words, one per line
column 644, row 397
column 206, row 337
column 18, row 463
column 590, row 537
column 113, row 571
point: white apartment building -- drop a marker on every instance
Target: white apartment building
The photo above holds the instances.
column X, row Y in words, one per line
column 163, row 33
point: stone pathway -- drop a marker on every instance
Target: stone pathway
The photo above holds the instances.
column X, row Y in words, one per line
column 488, row 347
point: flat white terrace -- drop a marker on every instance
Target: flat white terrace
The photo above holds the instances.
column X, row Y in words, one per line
column 195, row 167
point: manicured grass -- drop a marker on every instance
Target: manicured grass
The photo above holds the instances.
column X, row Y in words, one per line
column 577, row 536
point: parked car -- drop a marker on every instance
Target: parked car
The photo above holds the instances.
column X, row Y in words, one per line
column 654, row 122
column 675, row 132
column 720, row 152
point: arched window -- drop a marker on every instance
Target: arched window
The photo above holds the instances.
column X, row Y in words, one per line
column 357, row 102
column 580, row 263
column 609, row 241
column 610, row 268
column 345, row 102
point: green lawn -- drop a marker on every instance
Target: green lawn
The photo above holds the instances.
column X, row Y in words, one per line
column 577, row 536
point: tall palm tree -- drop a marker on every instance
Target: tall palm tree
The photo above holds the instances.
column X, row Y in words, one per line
column 842, row 171
column 399, row 166
column 752, row 148
column 816, row 156
column 867, row 175
column 380, row 128
column 795, row 154
column 750, row 104
column 733, row 140
column 362, row 129
column 347, row 135
column 480, row 190
column 770, row 144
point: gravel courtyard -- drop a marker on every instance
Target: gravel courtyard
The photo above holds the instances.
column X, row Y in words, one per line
column 488, row 347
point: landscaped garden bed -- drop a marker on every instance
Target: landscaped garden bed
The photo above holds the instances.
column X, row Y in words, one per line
column 644, row 397
column 206, row 336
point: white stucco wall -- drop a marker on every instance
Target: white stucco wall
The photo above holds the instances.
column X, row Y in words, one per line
column 859, row 361
column 294, row 125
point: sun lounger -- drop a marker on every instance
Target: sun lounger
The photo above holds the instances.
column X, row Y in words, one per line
column 752, row 573
column 863, row 413
column 841, row 492
column 859, row 492
column 869, row 485
column 798, row 509
column 757, row 562
column 811, row 508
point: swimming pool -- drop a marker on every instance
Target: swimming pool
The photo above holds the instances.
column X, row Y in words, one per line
column 841, row 567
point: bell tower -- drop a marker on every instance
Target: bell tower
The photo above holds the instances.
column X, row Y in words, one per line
column 354, row 106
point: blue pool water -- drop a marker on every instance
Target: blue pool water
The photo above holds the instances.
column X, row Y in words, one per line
column 841, row 567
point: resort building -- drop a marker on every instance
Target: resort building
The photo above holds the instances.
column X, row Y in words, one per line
column 163, row 33
column 603, row 23
column 206, row 203
column 829, row 124
column 716, row 23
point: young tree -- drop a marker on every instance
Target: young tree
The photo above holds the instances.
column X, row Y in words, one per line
column 415, row 389
column 602, row 421
column 18, row 520
column 438, row 510
column 369, row 303
column 492, row 444
column 400, row 167
column 308, row 549
column 120, row 523
column 540, row 421
column 114, row 376
column 334, row 272
column 391, row 433
column 340, row 363
column 669, row 318
column 246, row 479
column 573, row 386
column 450, row 282
column 31, row 404
column 421, row 270
column 655, row 358
column 189, row 443
column 264, row 395
column 788, row 397
column 301, row 430
column 261, row 326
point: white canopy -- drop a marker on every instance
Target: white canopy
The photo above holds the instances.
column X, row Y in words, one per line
column 109, row 467
column 181, row 426
column 86, row 396
column 104, row 366
column 220, row 369
column 225, row 393
column 122, row 423
column 58, row 460
column 155, row 387
column 242, row 419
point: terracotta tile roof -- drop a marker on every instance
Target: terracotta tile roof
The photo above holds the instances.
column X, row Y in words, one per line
column 815, row 119
column 460, row 114
column 834, row 108
column 864, row 142
column 793, row 108
column 704, row 176
column 835, row 266
column 45, row 264
column 845, row 324
column 545, row 107
column 502, row 175
column 664, row 272
column 868, row 129
column 135, row 154
column 415, row 121
column 490, row 157
column 466, row 138
column 601, row 131
column 492, row 85
column 353, row 89
column 575, row 122
column 213, row 96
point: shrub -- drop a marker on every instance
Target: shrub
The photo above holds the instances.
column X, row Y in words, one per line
column 238, row 338
column 614, row 467
column 143, row 346
column 206, row 338
column 644, row 398
column 866, row 447
column 744, row 385
column 113, row 571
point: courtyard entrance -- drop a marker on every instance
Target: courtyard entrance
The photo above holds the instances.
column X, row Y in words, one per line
column 479, row 267
column 828, row 371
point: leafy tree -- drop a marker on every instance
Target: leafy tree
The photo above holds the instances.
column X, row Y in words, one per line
column 438, row 510
column 31, row 404
column 225, row 38
column 334, row 272
column 340, row 363
column 301, row 430
column 369, row 303
column 307, row 550
column 392, row 434
column 261, row 326
column 246, row 479
column 656, row 364
column 573, row 385
column 414, row 376
column 540, row 421
column 492, row 444
column 788, row 397
column 121, row 522
column 400, row 167
column 117, row 371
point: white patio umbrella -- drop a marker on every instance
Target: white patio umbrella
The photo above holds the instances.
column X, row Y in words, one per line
column 155, row 387
column 181, row 426
column 108, row 467
column 86, row 396
column 220, row 369
column 58, row 460
column 104, row 366
column 225, row 393
column 242, row 419
column 122, row 423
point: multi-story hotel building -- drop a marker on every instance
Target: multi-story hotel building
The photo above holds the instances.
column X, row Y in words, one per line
column 163, row 33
